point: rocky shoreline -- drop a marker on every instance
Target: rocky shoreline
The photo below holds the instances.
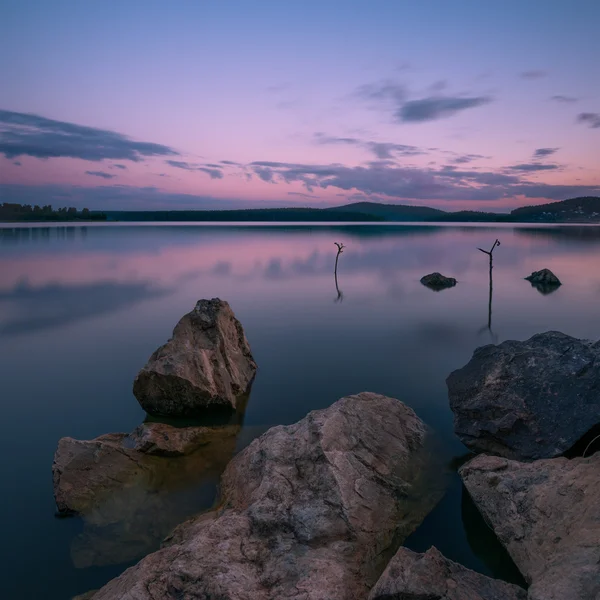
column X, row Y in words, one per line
column 318, row 510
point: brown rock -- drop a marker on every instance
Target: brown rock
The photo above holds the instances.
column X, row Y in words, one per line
column 431, row 576
column 547, row 515
column 207, row 364
column 129, row 495
column 310, row 511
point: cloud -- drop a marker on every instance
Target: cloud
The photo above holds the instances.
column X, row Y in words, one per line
column 541, row 152
column 590, row 119
column 24, row 134
column 17, row 163
column 120, row 166
column 265, row 173
column 302, row 195
column 531, row 167
column 100, row 174
column 179, row 164
column 230, row 162
column 564, row 99
column 534, row 74
column 425, row 184
column 466, row 158
column 381, row 150
column 437, row 107
column 214, row 173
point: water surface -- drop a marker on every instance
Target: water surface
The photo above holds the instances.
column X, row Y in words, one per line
column 83, row 307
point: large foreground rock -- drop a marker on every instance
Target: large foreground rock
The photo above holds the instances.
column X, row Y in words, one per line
column 132, row 489
column 547, row 515
column 527, row 400
column 207, row 364
column 431, row 576
column 309, row 511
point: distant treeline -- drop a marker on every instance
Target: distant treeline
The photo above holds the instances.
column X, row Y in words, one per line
column 26, row 212
column 257, row 215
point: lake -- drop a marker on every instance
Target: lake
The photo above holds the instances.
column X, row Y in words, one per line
column 83, row 307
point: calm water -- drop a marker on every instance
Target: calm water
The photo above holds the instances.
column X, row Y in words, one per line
column 82, row 308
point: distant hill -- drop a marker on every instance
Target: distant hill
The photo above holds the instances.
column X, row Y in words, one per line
column 250, row 215
column 574, row 210
column 391, row 212
column 585, row 209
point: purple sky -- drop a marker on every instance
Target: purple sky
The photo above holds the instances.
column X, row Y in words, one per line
column 220, row 104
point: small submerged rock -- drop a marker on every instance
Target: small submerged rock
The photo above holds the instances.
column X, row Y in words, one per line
column 545, row 278
column 431, row 576
column 547, row 515
column 437, row 281
column 207, row 364
column 308, row 510
column 527, row 400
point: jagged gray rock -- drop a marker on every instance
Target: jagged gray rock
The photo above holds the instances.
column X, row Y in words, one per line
column 527, row 400
column 547, row 515
column 437, row 281
column 207, row 364
column 431, row 576
column 310, row 510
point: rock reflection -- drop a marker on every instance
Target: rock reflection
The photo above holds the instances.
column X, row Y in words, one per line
column 131, row 500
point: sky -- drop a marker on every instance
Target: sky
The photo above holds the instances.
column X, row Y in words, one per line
column 207, row 104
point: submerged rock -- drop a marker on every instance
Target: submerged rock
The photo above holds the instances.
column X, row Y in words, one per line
column 437, row 281
column 544, row 278
column 547, row 515
column 431, row 576
column 310, row 510
column 207, row 364
column 527, row 400
column 131, row 491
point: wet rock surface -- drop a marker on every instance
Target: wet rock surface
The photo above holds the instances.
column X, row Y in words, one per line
column 132, row 489
column 311, row 510
column 206, row 365
column 437, row 281
column 547, row 515
column 431, row 576
column 527, row 400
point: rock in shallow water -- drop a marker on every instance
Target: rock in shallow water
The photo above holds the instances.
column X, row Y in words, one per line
column 431, row 576
column 207, row 364
column 310, row 510
column 545, row 277
column 547, row 515
column 132, row 489
column 437, row 281
column 527, row 400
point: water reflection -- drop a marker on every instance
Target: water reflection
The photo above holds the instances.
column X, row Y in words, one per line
column 84, row 311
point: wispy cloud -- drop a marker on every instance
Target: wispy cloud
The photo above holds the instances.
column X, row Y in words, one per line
column 532, row 167
column 381, row 150
column 541, row 152
column 120, row 166
column 437, row 107
column 564, row 99
column 213, row 173
column 394, row 96
column 533, row 74
column 590, row 119
column 100, row 174
column 23, row 134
